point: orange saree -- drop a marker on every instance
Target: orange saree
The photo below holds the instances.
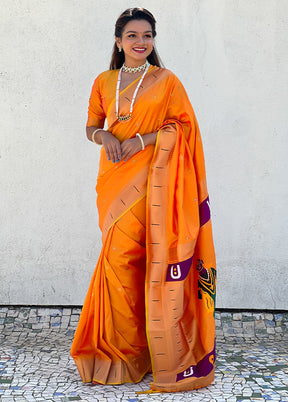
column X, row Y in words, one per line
column 150, row 304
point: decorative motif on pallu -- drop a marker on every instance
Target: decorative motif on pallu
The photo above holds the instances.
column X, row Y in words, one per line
column 206, row 285
column 204, row 211
column 178, row 271
column 201, row 369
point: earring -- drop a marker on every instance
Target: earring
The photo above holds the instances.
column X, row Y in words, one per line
column 120, row 48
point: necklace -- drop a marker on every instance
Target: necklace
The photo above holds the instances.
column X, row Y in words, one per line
column 128, row 117
column 133, row 69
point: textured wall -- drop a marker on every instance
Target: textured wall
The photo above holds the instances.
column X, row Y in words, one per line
column 232, row 58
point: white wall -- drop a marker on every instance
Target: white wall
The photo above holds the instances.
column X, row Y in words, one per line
column 232, row 57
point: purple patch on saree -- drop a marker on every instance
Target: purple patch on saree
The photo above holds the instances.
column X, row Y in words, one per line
column 204, row 212
column 201, row 369
column 178, row 271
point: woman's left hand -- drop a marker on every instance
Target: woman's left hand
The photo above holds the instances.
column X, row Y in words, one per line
column 130, row 147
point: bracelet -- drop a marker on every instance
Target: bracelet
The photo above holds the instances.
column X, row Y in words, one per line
column 94, row 132
column 141, row 139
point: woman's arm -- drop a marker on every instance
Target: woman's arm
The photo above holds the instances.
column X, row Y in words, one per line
column 116, row 151
column 97, row 136
column 110, row 143
column 149, row 139
column 134, row 145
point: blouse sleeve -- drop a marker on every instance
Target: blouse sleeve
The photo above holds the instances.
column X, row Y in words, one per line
column 96, row 114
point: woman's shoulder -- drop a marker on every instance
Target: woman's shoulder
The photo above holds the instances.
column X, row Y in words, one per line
column 104, row 80
column 106, row 75
column 166, row 73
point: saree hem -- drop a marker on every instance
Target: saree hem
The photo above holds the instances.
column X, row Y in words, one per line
column 125, row 371
column 185, row 386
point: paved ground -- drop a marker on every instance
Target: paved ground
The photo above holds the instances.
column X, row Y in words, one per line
column 35, row 364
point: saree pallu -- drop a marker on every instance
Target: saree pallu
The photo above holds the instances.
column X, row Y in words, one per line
column 150, row 304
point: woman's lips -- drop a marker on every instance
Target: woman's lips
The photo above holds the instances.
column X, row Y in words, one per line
column 139, row 49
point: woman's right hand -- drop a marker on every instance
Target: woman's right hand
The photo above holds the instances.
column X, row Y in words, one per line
column 112, row 146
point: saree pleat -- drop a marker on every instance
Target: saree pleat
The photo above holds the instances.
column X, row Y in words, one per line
column 151, row 300
column 108, row 351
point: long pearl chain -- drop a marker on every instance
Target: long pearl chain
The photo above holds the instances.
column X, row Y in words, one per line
column 128, row 117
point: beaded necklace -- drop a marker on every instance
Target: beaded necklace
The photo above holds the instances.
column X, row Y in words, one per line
column 133, row 69
column 128, row 117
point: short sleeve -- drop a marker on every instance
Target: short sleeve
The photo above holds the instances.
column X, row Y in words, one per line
column 96, row 114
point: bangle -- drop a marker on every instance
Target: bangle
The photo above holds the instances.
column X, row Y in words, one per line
column 141, row 139
column 94, row 132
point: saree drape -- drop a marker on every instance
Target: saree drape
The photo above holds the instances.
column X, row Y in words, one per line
column 150, row 304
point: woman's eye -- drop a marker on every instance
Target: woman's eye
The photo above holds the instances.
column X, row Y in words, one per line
column 131, row 36
column 148, row 36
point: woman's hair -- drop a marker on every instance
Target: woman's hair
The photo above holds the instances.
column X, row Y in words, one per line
column 130, row 14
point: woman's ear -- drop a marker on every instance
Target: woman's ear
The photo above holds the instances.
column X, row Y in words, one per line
column 118, row 41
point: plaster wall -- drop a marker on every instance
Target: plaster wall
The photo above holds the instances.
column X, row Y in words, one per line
column 232, row 58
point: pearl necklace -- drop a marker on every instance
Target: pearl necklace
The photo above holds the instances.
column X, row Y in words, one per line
column 128, row 117
column 133, row 69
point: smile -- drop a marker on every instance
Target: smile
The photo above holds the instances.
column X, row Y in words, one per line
column 139, row 49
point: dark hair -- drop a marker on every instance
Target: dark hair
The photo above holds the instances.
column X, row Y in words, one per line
column 130, row 14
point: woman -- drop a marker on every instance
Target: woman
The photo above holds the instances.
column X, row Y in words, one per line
column 150, row 304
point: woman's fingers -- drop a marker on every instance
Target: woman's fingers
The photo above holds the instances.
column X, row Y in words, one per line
column 112, row 147
column 113, row 153
column 130, row 147
column 125, row 155
column 108, row 152
column 108, row 149
column 128, row 156
column 118, row 151
column 126, row 152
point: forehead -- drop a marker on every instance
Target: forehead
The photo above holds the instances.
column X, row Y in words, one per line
column 137, row 26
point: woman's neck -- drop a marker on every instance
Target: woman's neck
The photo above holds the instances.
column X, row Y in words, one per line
column 134, row 63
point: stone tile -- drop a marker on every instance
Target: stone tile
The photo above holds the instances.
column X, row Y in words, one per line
column 35, row 364
column 237, row 316
column 76, row 310
column 268, row 316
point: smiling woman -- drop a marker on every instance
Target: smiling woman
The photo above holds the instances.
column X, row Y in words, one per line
column 136, row 42
column 149, row 306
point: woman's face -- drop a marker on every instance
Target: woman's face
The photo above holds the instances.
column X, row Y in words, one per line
column 136, row 42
